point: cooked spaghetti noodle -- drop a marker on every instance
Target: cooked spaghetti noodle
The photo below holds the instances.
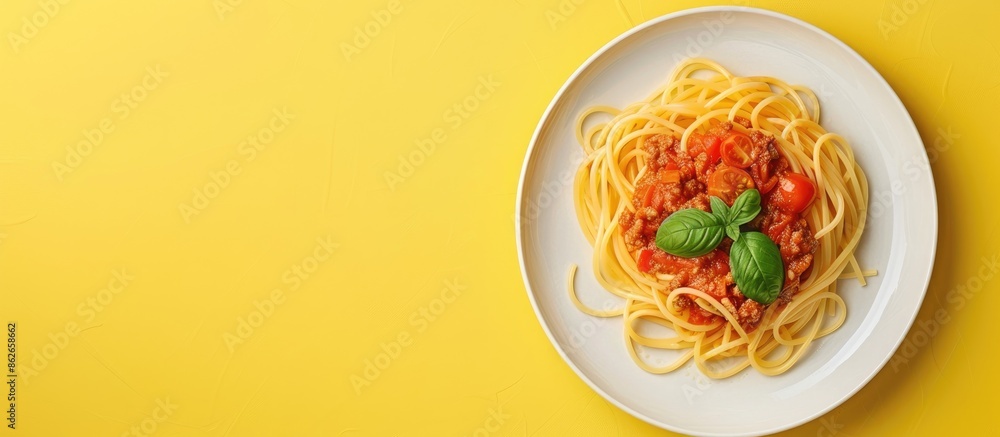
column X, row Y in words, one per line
column 700, row 95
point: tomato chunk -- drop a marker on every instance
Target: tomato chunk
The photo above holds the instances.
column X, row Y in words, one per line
column 729, row 182
column 705, row 143
column 712, row 148
column 794, row 192
column 699, row 316
column 669, row 176
column 736, row 150
column 647, row 195
column 645, row 262
column 764, row 176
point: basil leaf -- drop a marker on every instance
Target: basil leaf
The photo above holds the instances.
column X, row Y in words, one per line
column 744, row 208
column 757, row 268
column 733, row 231
column 689, row 233
column 720, row 209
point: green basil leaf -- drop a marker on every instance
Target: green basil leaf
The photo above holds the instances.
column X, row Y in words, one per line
column 720, row 209
column 745, row 208
column 757, row 268
column 733, row 231
column 689, row 233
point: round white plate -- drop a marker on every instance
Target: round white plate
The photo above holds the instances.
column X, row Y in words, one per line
column 901, row 234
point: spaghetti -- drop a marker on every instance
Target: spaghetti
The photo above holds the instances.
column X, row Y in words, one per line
column 615, row 184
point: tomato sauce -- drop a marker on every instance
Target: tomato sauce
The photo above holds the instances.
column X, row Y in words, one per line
column 677, row 179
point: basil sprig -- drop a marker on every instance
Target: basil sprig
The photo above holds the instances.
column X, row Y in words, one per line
column 754, row 259
column 757, row 269
column 689, row 233
column 745, row 208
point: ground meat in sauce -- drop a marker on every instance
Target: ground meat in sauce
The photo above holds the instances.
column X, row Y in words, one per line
column 659, row 193
column 795, row 241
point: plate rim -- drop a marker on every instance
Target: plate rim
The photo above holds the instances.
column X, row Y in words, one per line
column 518, row 215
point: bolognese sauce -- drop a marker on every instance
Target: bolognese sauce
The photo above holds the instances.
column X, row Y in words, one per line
column 723, row 163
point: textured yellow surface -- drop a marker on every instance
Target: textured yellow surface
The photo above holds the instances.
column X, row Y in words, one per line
column 239, row 217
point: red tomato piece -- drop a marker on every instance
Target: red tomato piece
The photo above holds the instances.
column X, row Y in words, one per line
column 668, row 176
column 699, row 316
column 645, row 262
column 712, row 148
column 763, row 176
column 729, row 182
column 736, row 150
column 794, row 192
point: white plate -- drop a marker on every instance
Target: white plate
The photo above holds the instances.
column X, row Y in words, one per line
column 901, row 234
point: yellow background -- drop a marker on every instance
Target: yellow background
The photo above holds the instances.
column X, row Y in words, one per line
column 163, row 337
